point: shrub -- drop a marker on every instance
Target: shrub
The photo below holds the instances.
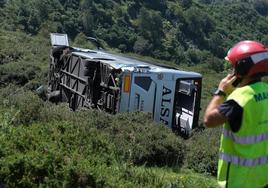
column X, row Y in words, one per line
column 215, row 64
column 60, row 154
column 142, row 46
column 18, row 73
column 137, row 138
column 202, row 151
column 141, row 141
column 54, row 154
column 25, row 105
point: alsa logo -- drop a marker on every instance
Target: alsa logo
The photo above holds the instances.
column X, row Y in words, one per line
column 165, row 103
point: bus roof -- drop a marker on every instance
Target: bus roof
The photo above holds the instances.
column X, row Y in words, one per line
column 120, row 61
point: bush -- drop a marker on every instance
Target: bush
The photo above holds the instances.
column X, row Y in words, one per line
column 64, row 154
column 140, row 141
column 137, row 138
column 215, row 64
column 60, row 154
column 142, row 46
column 202, row 151
column 18, row 73
column 25, row 105
column 54, row 154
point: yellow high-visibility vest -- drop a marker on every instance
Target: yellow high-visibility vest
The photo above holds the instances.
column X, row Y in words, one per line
column 243, row 160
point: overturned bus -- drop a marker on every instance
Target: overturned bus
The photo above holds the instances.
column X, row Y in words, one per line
column 114, row 84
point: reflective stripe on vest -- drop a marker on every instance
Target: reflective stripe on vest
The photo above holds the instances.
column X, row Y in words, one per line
column 222, row 184
column 245, row 139
column 243, row 161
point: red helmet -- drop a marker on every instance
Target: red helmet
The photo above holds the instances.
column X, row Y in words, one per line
column 248, row 58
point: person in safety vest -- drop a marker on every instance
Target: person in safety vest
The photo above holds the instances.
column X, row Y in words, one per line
column 243, row 111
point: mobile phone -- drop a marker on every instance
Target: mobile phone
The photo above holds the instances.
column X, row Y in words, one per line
column 236, row 82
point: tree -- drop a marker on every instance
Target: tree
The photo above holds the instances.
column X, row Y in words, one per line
column 156, row 4
column 215, row 44
column 265, row 40
column 2, row 3
column 261, row 6
column 133, row 8
column 87, row 17
column 151, row 26
column 186, row 3
column 205, row 1
column 142, row 46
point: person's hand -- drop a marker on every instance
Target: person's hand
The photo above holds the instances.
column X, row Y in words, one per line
column 226, row 84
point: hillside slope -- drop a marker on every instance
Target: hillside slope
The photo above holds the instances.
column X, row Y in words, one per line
column 47, row 145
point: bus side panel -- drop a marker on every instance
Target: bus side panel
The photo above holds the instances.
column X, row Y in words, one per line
column 143, row 90
column 124, row 98
column 164, row 102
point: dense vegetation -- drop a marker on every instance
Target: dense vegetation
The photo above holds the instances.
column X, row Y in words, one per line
column 184, row 31
column 48, row 146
